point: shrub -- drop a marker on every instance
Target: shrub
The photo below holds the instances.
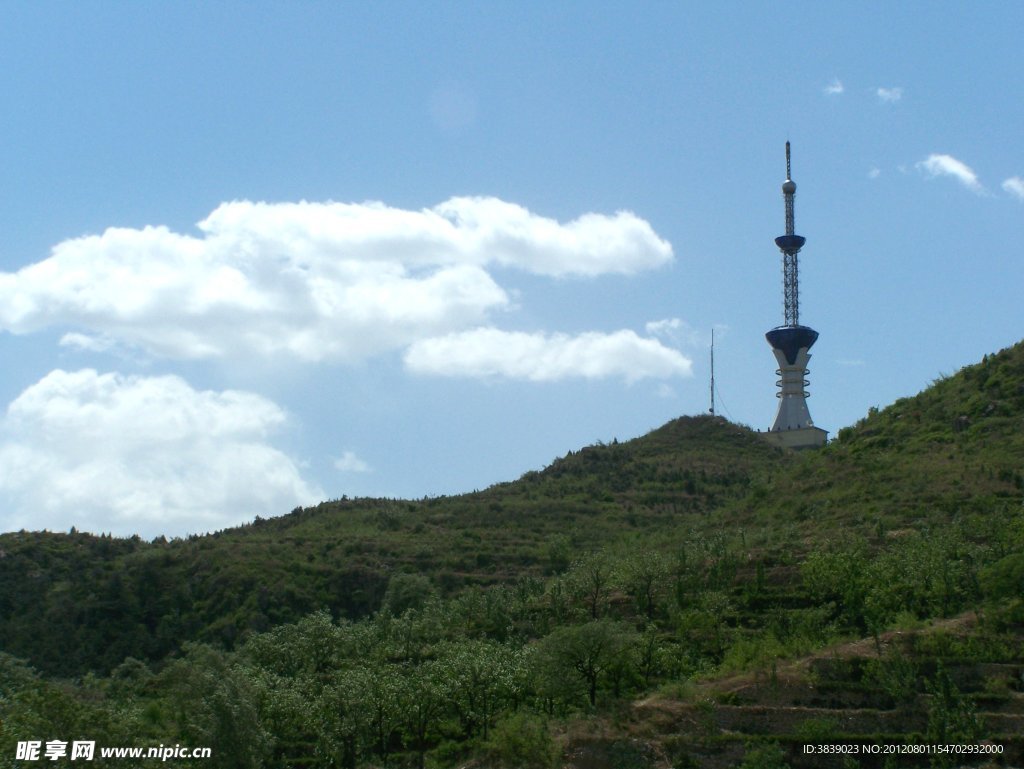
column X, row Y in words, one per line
column 407, row 591
column 522, row 741
column 767, row 755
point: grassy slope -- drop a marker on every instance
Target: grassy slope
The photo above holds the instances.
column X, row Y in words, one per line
column 952, row 450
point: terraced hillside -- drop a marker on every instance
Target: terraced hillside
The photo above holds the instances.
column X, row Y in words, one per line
column 948, row 683
column 929, row 491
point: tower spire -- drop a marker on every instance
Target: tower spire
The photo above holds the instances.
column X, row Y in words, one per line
column 790, row 245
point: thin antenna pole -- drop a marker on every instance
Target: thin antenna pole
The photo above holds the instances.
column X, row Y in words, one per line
column 712, row 372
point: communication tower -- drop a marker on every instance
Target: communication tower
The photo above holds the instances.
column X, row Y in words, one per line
column 791, row 342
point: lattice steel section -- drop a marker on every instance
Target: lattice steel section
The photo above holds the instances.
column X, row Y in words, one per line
column 790, row 245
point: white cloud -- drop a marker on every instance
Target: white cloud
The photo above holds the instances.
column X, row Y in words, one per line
column 87, row 343
column 947, row 165
column 493, row 231
column 890, row 95
column 665, row 327
column 349, row 462
column 146, row 455
column 312, row 281
column 678, row 332
column 834, row 88
column 1015, row 186
column 490, row 353
column 681, row 334
column 874, row 173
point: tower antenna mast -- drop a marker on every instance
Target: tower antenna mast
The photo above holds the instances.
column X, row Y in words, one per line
column 712, row 372
column 790, row 245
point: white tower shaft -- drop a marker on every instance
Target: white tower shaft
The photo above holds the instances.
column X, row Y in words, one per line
column 793, row 413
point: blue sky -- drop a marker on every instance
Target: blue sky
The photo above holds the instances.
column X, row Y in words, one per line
column 257, row 255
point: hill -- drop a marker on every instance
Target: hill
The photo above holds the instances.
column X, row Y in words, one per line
column 908, row 532
column 953, row 450
column 691, row 598
column 71, row 603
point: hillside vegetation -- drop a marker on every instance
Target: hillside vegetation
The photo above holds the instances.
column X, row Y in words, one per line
column 691, row 598
column 112, row 598
column 953, row 450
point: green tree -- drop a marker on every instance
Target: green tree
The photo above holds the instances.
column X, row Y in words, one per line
column 411, row 636
column 311, row 648
column 423, row 693
column 215, row 703
column 380, row 690
column 706, row 622
column 644, row 575
column 895, row 674
column 558, row 552
column 344, row 729
column 650, row 654
column 841, row 575
column 589, row 651
column 483, row 676
column 32, row 708
column 407, row 591
column 590, row 582
column 1003, row 579
column 553, row 691
column 951, row 716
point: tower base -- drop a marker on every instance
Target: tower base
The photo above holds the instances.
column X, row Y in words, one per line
column 793, row 427
column 800, row 438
